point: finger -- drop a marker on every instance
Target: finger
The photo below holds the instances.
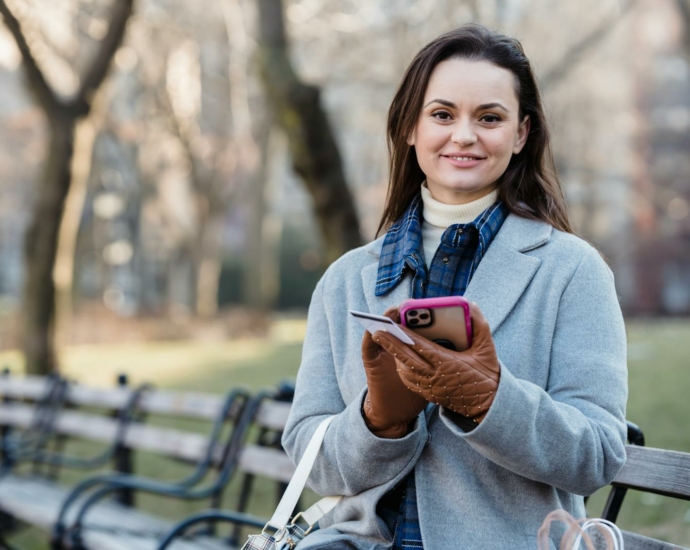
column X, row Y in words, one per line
column 410, row 378
column 407, row 355
column 425, row 347
column 393, row 313
column 419, row 341
column 481, row 331
column 393, row 345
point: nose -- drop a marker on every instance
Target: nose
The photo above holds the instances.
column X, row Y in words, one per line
column 463, row 132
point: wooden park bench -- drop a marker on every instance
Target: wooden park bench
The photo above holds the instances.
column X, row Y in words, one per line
column 650, row 470
column 36, row 413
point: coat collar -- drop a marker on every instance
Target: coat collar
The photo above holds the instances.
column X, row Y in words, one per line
column 501, row 278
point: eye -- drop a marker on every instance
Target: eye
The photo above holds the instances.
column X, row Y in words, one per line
column 491, row 118
column 441, row 115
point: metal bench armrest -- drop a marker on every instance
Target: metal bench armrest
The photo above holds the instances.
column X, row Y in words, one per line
column 183, row 490
column 236, row 518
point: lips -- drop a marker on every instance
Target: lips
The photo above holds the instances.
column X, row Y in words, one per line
column 464, row 161
column 465, row 156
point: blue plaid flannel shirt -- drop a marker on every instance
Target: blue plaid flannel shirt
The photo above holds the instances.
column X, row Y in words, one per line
column 461, row 249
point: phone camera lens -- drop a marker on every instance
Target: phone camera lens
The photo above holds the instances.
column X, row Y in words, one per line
column 424, row 316
column 413, row 321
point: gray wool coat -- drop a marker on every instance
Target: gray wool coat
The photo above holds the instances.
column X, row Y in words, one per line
column 556, row 429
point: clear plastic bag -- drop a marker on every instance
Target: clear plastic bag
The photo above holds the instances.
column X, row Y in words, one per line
column 607, row 536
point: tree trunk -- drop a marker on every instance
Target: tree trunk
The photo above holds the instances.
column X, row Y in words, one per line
column 41, row 250
column 314, row 151
column 258, row 244
column 208, row 262
column 63, row 273
column 256, row 206
column 42, row 236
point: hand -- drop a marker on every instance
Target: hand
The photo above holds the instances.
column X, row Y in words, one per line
column 463, row 381
column 389, row 406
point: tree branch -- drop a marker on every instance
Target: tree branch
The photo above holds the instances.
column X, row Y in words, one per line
column 573, row 56
column 38, row 83
column 122, row 10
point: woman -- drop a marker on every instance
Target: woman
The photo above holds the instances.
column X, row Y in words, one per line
column 474, row 209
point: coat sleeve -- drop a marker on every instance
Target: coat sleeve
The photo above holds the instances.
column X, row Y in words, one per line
column 571, row 435
column 352, row 459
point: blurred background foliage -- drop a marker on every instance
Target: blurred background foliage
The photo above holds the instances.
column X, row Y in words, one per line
column 162, row 160
column 177, row 175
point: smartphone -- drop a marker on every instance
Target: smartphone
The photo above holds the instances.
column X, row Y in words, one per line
column 446, row 321
column 373, row 323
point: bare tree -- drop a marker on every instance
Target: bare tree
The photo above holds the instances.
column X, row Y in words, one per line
column 315, row 154
column 42, row 237
column 588, row 43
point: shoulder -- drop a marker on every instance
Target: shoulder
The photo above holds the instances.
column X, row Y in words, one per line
column 568, row 244
column 561, row 253
column 571, row 254
column 540, row 239
column 350, row 265
column 356, row 259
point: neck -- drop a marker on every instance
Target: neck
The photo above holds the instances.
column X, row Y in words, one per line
column 442, row 215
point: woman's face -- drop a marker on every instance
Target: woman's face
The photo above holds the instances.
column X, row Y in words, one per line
column 468, row 129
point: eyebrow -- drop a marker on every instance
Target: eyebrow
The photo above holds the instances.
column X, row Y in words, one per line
column 454, row 106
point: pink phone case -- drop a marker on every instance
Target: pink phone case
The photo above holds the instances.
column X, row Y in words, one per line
column 439, row 319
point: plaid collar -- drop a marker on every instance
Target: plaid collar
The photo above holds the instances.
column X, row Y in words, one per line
column 402, row 246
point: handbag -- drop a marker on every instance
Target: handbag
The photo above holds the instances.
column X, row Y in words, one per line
column 286, row 532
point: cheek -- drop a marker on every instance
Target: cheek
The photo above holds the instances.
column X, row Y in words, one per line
column 430, row 137
column 501, row 144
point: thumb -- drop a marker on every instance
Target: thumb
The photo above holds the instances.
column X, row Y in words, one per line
column 371, row 349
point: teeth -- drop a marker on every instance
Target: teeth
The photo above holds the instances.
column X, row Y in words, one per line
column 464, row 158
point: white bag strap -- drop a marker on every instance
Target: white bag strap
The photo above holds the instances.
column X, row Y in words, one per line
column 287, row 504
column 315, row 512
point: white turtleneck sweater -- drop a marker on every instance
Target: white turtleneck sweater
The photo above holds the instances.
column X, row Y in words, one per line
column 439, row 216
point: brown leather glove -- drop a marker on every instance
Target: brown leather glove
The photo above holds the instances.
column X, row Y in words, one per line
column 389, row 407
column 462, row 381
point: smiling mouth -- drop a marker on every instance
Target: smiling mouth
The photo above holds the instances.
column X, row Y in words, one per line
column 464, row 159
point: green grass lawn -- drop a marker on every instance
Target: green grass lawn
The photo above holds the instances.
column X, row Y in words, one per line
column 659, row 402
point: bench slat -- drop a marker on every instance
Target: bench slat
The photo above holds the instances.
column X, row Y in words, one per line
column 273, row 414
column 168, row 441
column 264, row 461
column 656, row 471
column 633, row 541
column 29, row 387
column 164, row 402
column 184, row 445
column 124, row 541
column 38, row 502
column 198, row 405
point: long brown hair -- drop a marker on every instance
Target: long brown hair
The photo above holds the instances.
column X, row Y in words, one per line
column 529, row 187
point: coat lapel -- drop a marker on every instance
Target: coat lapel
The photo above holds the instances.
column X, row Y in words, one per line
column 501, row 277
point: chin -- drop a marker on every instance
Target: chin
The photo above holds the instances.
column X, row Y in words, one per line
column 469, row 188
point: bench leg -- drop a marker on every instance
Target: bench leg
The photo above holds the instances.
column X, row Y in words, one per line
column 123, row 464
